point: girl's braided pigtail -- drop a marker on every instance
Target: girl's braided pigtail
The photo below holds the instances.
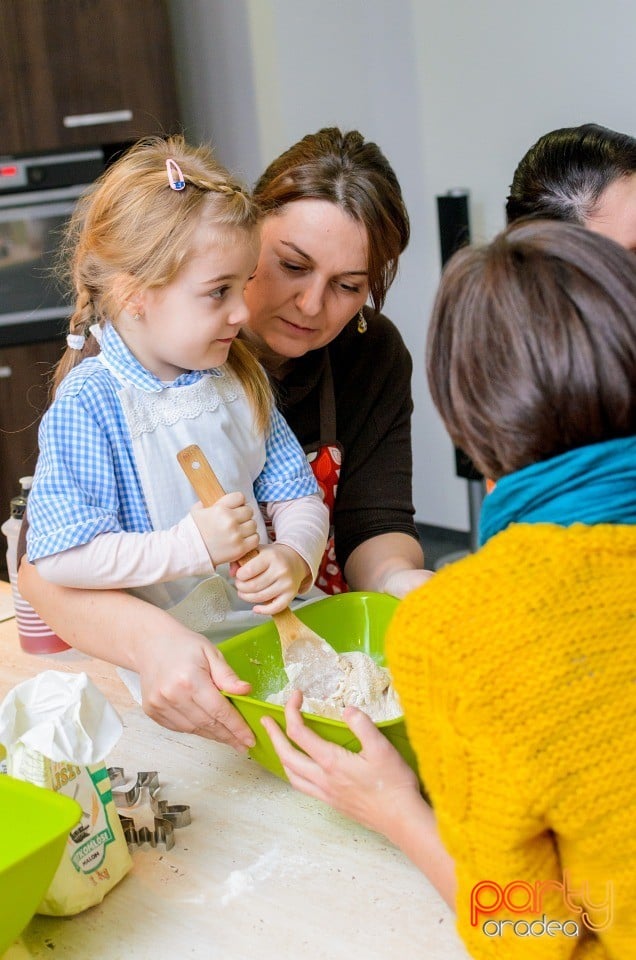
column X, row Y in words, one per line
column 80, row 342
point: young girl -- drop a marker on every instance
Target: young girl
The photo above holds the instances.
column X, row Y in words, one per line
column 515, row 666
column 160, row 254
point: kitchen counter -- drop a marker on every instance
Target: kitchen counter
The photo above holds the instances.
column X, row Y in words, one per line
column 261, row 872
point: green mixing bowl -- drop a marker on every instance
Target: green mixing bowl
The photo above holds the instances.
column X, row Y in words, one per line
column 348, row 621
column 35, row 824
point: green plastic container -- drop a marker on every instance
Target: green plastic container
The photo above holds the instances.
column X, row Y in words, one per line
column 349, row 621
column 35, row 823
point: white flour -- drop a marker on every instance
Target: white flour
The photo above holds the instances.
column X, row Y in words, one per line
column 359, row 682
column 271, row 864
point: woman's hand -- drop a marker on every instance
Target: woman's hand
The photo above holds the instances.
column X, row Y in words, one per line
column 401, row 582
column 375, row 787
column 272, row 579
column 181, row 672
column 387, row 563
column 180, row 687
column 368, row 786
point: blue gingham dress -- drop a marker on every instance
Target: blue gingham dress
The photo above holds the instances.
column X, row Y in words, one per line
column 108, row 449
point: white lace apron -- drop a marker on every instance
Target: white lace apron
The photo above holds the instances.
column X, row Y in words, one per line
column 215, row 414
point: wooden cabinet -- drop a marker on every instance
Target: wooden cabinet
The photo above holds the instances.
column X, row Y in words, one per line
column 83, row 72
column 25, row 373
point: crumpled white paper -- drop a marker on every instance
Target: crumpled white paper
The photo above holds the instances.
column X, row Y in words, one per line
column 62, row 716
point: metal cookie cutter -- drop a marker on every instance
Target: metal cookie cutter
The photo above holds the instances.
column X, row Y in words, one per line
column 160, row 818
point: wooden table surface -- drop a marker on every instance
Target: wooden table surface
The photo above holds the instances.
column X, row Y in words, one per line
column 261, row 873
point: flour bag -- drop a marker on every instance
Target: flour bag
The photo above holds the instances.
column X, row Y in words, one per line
column 57, row 729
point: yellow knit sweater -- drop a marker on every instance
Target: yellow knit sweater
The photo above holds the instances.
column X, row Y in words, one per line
column 517, row 671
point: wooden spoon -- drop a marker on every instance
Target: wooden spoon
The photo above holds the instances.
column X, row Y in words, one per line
column 299, row 644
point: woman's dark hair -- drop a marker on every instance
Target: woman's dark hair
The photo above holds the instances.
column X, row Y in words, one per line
column 531, row 347
column 564, row 174
column 355, row 175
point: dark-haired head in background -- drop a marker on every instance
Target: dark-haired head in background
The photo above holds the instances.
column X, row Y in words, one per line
column 584, row 175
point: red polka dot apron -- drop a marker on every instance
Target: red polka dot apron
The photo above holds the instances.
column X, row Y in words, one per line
column 325, row 459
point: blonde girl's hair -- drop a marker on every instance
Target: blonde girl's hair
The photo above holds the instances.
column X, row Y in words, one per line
column 132, row 231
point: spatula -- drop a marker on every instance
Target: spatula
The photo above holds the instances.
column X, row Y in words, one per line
column 319, row 671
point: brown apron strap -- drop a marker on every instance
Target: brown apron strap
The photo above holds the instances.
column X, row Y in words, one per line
column 327, row 404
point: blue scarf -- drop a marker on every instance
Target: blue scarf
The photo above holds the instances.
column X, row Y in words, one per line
column 594, row 484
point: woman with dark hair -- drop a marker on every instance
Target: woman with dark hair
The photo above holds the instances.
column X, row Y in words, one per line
column 584, row 175
column 333, row 227
column 521, row 702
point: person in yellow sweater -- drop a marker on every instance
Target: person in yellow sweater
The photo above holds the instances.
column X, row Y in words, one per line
column 516, row 666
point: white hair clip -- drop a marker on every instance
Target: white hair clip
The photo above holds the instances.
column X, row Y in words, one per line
column 76, row 341
column 175, row 177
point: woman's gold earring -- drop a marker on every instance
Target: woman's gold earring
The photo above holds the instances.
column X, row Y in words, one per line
column 362, row 323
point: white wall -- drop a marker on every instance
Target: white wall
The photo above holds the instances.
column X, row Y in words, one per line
column 454, row 92
column 215, row 75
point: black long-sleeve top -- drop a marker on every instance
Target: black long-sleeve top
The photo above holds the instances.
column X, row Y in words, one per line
column 372, row 387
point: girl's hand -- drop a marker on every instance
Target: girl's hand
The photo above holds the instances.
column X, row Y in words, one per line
column 228, row 528
column 272, row 579
column 371, row 787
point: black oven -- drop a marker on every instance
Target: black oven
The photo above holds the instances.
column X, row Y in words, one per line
column 37, row 195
